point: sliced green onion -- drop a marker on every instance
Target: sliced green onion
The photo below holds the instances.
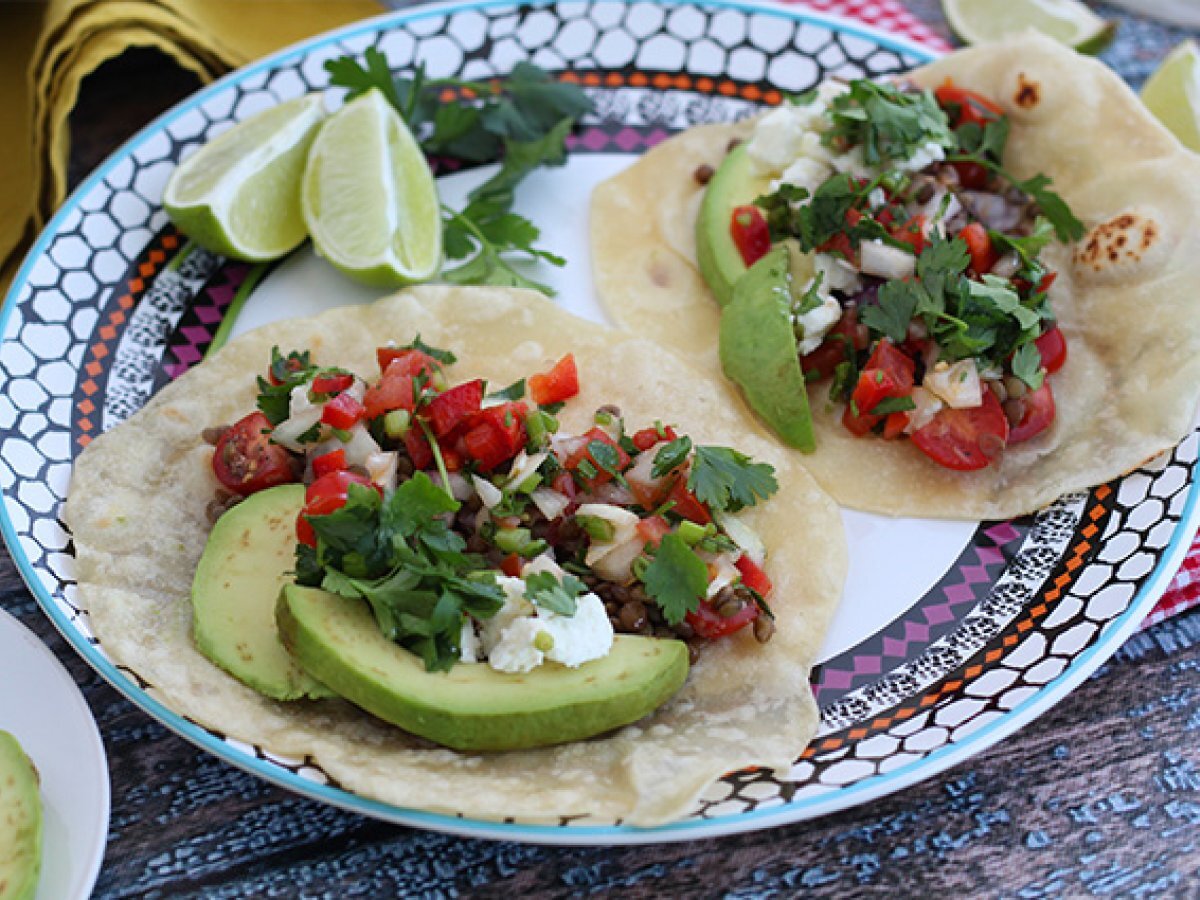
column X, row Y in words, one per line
column 511, row 540
column 598, row 529
column 530, row 484
column 397, row 423
column 692, row 533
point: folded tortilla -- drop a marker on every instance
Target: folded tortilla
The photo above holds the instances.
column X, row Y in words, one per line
column 137, row 512
column 1125, row 297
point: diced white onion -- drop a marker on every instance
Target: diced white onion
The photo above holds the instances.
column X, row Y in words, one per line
column 460, row 488
column 611, row 492
column 287, row 431
column 617, row 564
column 489, row 494
column 523, row 466
column 550, row 503
column 382, row 468
column 742, row 535
column 927, row 406
column 885, row 261
column 724, row 574
column 958, row 385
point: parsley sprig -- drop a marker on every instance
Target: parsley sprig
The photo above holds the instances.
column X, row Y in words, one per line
column 522, row 120
column 888, row 123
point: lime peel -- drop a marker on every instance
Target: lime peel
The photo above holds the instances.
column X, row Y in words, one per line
column 1172, row 93
column 1069, row 22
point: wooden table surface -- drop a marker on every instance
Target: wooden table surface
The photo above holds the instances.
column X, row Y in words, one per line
column 1101, row 796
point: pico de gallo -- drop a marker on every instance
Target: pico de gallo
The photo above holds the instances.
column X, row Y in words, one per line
column 928, row 310
column 476, row 529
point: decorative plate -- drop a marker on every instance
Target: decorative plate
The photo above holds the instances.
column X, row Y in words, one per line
column 69, row 756
column 951, row 635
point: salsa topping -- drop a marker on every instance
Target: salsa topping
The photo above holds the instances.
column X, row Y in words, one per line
column 475, row 529
column 928, row 309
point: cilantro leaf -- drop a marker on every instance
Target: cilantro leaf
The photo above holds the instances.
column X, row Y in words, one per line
column 1027, row 365
column 890, row 124
column 544, row 590
column 670, row 456
column 676, row 578
column 1001, row 293
column 889, row 405
column 1053, row 207
column 445, row 357
column 346, row 72
column 287, row 372
column 890, row 317
column 514, row 391
column 415, row 506
column 725, row 479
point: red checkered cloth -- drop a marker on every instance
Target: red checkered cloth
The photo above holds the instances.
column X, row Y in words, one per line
column 891, row 16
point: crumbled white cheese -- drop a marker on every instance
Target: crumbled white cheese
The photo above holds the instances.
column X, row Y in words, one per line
column 922, row 158
column 469, row 648
column 851, row 162
column 521, row 636
column 515, row 607
column 778, row 138
column 804, row 172
column 817, row 322
column 514, row 650
column 585, row 636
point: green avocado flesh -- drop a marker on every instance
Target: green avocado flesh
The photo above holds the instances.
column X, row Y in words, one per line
column 472, row 706
column 758, row 349
column 734, row 184
column 20, row 822
column 244, row 566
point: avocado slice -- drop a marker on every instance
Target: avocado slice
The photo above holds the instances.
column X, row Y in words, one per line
column 243, row 568
column 734, row 184
column 20, row 822
column 758, row 349
column 472, row 706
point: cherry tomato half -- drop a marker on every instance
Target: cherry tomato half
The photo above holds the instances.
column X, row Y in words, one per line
column 708, row 623
column 325, row 495
column 245, row 460
column 1039, row 413
column 979, row 244
column 1053, row 348
column 965, row 439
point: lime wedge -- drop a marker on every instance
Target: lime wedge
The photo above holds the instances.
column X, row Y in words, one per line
column 1173, row 93
column 369, row 198
column 1068, row 21
column 239, row 194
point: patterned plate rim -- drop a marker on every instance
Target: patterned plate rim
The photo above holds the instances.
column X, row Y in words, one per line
column 1080, row 667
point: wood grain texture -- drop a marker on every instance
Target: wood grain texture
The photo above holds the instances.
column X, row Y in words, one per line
column 1100, row 797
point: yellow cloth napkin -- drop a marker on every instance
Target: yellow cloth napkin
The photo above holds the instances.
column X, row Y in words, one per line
column 47, row 49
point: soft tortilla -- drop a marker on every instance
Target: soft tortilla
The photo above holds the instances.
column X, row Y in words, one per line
column 1126, row 297
column 137, row 512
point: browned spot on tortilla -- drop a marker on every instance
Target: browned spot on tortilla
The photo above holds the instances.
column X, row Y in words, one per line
column 1029, row 93
column 660, row 274
column 1121, row 242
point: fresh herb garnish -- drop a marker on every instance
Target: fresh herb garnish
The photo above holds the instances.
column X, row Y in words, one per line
column 676, row 578
column 514, row 391
column 445, row 357
column 671, row 456
column 889, row 124
column 291, row 371
column 889, row 405
column 1027, row 365
column 544, row 590
column 727, row 480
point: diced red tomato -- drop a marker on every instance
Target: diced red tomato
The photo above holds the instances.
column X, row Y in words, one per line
column 971, row 175
column 564, row 484
column 325, row 495
column 245, row 460
column 750, row 233
column 559, row 384
column 343, row 411
column 912, row 233
column 686, row 504
column 495, row 435
column 1047, row 280
column 392, row 392
column 291, row 365
column 1053, row 348
column 410, row 362
column 451, row 458
column 646, row 438
column 965, row 439
column 894, row 425
column 832, row 351
column 979, row 245
column 708, row 623
column 753, row 576
column 330, row 384
column 1039, row 413
column 511, row 565
column 452, row 407
column 333, row 461
column 973, row 107
column 858, row 423
column 652, row 530
column 418, row 449
column 888, row 373
column 573, row 461
column 841, row 244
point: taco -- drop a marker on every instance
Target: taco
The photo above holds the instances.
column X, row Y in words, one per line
column 140, row 497
column 1031, row 233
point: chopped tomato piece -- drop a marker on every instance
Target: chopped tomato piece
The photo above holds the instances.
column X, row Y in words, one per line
column 1039, row 413
column 342, row 412
column 511, row 565
column 454, row 406
column 965, row 439
column 584, row 453
column 325, row 495
column 564, row 484
column 1053, row 348
column 331, row 384
column 708, row 623
column 394, row 391
column 406, row 361
column 841, row 244
column 648, row 437
column 912, row 233
column 451, row 457
column 858, row 423
column 753, row 575
column 495, row 435
column 847, row 333
column 972, row 107
column 418, row 449
column 652, row 530
column 559, row 384
column 750, row 233
column 894, row 425
column 1047, row 280
column 245, row 460
column 979, row 245
column 686, row 504
column 333, row 461
column 888, row 373
column 971, row 175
